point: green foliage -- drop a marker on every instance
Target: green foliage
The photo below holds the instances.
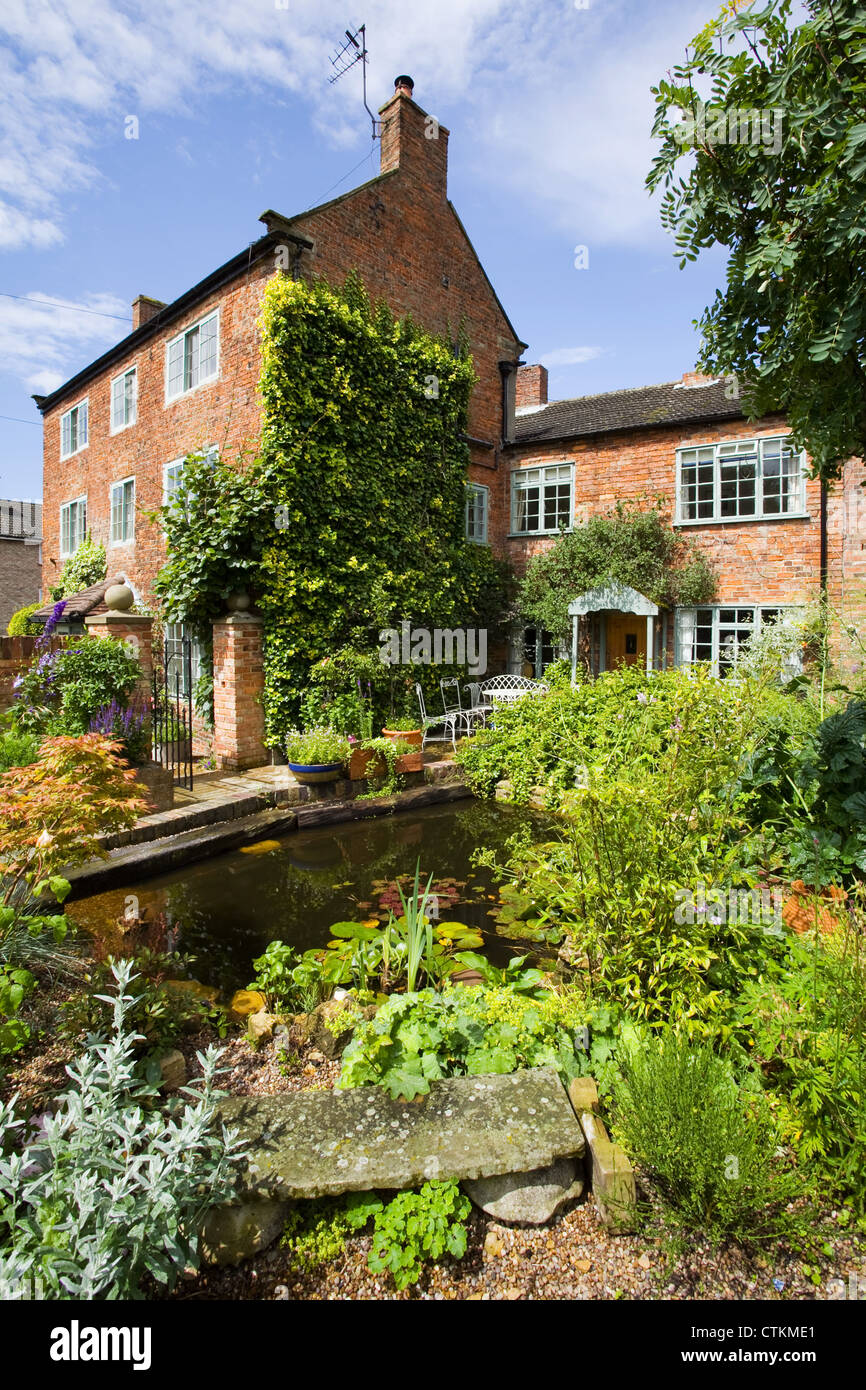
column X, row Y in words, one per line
column 808, row 793
column 18, row 748
column 316, row 746
column 84, row 568
column 624, row 721
column 15, row 985
column 113, row 1190
column 368, row 468
column 290, row 983
column 805, row 1027
column 708, row 1144
column 418, row 1038
column 789, row 212
column 215, row 527
column 419, row 1226
column 627, row 545
column 19, row 624
column 161, row 1010
column 656, row 813
column 316, row 1232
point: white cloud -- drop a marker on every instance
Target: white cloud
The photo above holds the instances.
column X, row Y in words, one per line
column 553, row 102
column 43, row 343
column 570, row 356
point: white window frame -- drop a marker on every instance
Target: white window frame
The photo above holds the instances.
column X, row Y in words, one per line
column 181, row 338
column 81, row 532
column 720, row 456
column 475, row 493
column 84, row 404
column 685, row 625
column 520, row 483
column 167, row 491
column 128, row 518
column 114, row 426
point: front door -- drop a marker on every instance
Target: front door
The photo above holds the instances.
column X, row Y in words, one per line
column 626, row 640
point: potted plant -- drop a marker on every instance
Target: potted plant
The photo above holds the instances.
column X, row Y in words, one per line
column 405, row 727
column 318, row 755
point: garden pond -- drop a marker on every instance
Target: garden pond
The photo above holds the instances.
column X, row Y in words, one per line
column 224, row 911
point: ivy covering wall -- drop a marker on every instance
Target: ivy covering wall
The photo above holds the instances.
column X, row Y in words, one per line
column 364, row 466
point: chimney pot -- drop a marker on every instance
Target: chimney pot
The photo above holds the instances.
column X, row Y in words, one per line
column 404, row 84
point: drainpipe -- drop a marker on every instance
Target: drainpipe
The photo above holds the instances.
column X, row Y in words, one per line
column 823, row 561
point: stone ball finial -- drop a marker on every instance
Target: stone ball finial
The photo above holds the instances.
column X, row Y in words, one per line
column 119, row 598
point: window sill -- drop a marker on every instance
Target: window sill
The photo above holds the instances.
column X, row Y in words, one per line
column 534, row 535
column 121, row 429
column 746, row 520
column 64, row 458
column 182, row 396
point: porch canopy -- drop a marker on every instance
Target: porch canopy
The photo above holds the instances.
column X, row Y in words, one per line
column 612, row 598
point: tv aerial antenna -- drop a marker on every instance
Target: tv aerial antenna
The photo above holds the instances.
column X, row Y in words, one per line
column 353, row 51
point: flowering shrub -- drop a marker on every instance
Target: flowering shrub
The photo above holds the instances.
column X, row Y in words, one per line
column 129, row 725
column 84, row 568
column 63, row 690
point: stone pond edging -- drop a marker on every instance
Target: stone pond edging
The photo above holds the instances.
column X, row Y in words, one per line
column 160, row 843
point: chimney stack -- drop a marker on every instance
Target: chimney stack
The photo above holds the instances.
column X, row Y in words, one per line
column 531, row 387
column 412, row 141
column 143, row 309
column 697, row 379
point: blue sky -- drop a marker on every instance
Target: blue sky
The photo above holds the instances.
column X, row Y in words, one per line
column 549, row 109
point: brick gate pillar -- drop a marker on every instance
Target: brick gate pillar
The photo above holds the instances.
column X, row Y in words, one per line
column 238, row 685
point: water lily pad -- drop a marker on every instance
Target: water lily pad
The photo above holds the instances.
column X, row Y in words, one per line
column 354, row 931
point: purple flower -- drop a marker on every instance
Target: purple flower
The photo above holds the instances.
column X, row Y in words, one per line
column 48, row 630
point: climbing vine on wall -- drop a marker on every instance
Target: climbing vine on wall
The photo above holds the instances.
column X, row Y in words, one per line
column 631, row 544
column 363, row 464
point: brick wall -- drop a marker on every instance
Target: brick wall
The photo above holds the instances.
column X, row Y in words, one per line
column 756, row 561
column 16, row 654
column 20, row 577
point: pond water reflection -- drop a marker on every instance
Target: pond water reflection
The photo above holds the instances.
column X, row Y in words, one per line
column 225, row 910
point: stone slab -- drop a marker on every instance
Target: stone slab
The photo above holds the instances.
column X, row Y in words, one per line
column 316, row 1143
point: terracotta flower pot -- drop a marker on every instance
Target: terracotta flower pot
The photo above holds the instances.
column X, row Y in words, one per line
column 412, row 736
column 364, row 763
column 410, row 762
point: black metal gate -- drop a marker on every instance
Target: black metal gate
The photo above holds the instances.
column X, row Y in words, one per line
column 171, row 714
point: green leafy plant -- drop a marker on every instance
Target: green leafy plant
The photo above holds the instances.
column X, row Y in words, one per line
column 63, row 690
column 162, row 1009
column 316, row 746
column 112, row 1191
column 83, row 569
column 708, row 1145
column 418, row 1226
column 805, row 1027
column 17, row 748
column 418, row 1038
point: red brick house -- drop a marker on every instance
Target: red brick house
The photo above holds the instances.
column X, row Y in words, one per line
column 736, row 488
column 186, row 378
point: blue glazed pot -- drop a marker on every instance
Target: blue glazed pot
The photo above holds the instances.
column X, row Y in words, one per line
column 315, row 772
